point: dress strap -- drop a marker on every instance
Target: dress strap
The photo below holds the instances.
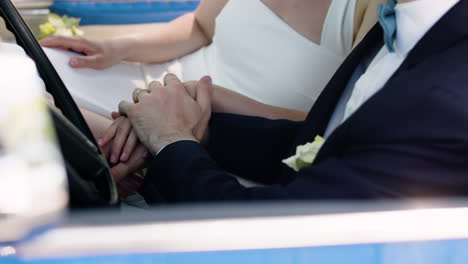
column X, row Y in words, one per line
column 337, row 32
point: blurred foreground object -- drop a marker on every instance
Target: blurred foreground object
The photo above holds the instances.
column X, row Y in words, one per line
column 329, row 232
column 32, row 176
column 61, row 26
column 33, row 12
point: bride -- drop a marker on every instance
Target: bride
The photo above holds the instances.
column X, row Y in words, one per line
column 249, row 46
column 253, row 47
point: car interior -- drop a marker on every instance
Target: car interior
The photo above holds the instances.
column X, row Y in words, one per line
column 340, row 231
column 90, row 180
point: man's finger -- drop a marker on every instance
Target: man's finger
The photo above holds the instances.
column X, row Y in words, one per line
column 171, row 79
column 136, row 94
column 124, row 107
column 191, row 87
column 203, row 94
column 203, row 98
column 154, row 85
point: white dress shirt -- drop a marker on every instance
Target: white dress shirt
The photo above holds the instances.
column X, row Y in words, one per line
column 414, row 20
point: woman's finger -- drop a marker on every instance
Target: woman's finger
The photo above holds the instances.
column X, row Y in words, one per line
column 109, row 134
column 129, row 147
column 121, row 135
column 115, row 115
column 135, row 162
column 90, row 61
column 191, row 87
column 76, row 44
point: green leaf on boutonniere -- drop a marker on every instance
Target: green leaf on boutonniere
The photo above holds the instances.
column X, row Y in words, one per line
column 305, row 154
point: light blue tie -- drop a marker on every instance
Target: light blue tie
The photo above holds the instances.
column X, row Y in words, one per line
column 387, row 20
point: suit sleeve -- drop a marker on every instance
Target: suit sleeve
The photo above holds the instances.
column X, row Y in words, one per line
column 186, row 172
column 251, row 147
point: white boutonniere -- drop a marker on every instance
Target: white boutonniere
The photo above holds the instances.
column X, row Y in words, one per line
column 305, row 154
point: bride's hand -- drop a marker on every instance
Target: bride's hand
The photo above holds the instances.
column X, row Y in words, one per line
column 97, row 53
column 122, row 138
column 136, row 162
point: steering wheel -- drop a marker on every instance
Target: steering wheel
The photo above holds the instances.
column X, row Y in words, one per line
column 90, row 181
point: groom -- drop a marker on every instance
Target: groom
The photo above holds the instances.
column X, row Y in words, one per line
column 394, row 118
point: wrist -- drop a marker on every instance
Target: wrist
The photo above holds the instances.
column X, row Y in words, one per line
column 162, row 142
column 122, row 48
column 205, row 137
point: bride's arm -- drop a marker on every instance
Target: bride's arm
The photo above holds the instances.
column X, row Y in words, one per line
column 97, row 123
column 227, row 101
column 155, row 43
column 176, row 38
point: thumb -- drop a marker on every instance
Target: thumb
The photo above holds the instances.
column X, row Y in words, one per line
column 203, row 93
column 136, row 162
column 115, row 115
column 91, row 61
column 203, row 98
column 120, row 171
column 125, row 107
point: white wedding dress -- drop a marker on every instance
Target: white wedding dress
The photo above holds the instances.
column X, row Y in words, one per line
column 254, row 52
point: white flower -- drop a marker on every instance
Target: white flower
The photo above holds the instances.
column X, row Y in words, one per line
column 305, row 154
column 62, row 26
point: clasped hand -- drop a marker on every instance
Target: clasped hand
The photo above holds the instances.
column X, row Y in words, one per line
column 161, row 115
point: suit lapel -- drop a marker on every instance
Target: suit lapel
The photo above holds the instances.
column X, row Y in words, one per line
column 320, row 114
column 451, row 28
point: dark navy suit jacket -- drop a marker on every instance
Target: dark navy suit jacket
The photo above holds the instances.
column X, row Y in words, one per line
column 408, row 140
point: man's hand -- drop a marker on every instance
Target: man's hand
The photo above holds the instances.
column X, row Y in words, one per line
column 166, row 114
